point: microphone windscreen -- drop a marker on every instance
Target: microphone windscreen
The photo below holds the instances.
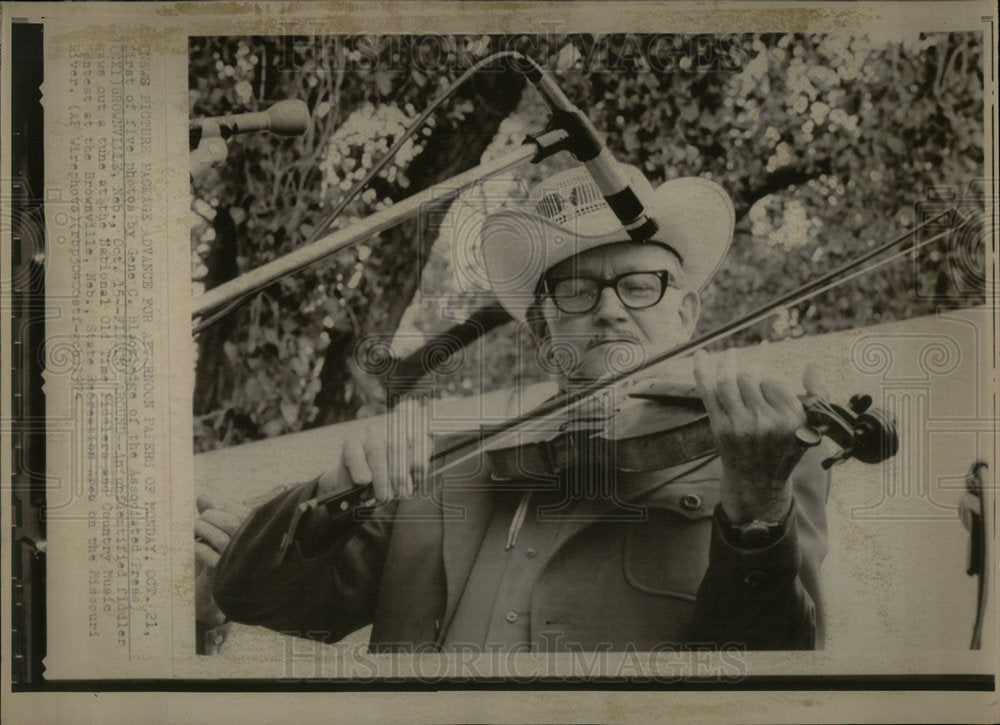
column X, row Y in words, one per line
column 288, row 118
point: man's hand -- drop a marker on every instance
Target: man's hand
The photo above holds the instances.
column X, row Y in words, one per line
column 393, row 455
column 212, row 529
column 754, row 423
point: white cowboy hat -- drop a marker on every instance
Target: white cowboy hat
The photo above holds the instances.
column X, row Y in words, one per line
column 566, row 215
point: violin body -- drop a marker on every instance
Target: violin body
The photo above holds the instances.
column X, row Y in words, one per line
column 647, row 426
column 657, row 423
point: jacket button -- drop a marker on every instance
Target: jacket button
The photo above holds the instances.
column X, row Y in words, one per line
column 755, row 578
column 530, row 553
column 511, row 616
column 691, row 501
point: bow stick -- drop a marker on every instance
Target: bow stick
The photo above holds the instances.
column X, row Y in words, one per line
column 508, row 431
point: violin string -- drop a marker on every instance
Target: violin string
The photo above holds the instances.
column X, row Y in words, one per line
column 503, row 432
column 825, row 407
column 570, row 400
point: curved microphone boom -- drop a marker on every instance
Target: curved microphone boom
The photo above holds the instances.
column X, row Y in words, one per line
column 587, row 146
column 284, row 118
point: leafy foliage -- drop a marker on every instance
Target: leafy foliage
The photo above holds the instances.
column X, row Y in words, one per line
column 827, row 144
column 284, row 361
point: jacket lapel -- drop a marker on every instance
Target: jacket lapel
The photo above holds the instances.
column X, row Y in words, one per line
column 467, row 506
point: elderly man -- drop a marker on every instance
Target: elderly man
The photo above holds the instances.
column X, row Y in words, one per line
column 726, row 549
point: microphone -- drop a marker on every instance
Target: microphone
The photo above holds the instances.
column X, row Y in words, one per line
column 586, row 145
column 284, row 118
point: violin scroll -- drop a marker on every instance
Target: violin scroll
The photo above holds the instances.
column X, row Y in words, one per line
column 862, row 432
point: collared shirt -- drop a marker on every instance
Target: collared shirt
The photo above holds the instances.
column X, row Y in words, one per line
column 494, row 611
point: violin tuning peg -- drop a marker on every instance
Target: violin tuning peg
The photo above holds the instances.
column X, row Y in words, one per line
column 860, row 403
column 807, row 436
column 836, row 459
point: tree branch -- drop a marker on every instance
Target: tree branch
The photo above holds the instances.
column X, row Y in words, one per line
column 405, row 248
column 779, row 180
column 435, row 352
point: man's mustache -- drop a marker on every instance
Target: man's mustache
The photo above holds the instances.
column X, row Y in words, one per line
column 613, row 338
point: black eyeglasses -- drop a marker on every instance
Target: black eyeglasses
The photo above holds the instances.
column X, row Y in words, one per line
column 636, row 290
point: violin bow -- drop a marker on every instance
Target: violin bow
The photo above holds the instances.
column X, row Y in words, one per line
column 570, row 399
column 362, row 496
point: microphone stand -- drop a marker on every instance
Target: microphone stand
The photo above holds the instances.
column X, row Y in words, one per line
column 569, row 129
column 534, row 149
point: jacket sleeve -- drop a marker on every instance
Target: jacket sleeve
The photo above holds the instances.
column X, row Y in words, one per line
column 323, row 587
column 769, row 598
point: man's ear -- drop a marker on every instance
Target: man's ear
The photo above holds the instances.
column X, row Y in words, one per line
column 689, row 311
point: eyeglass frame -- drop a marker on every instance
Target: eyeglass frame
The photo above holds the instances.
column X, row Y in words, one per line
column 546, row 286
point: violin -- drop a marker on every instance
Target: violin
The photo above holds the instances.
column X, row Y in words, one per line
column 862, row 432
column 654, row 425
column 660, row 424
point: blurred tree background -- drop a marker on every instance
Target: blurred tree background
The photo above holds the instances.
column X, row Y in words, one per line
column 827, row 144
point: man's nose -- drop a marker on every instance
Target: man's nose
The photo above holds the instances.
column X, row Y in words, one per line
column 609, row 307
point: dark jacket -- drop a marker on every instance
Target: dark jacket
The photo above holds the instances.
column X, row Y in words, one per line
column 667, row 581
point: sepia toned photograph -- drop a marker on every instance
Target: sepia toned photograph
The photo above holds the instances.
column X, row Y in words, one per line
column 499, row 362
column 508, row 452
